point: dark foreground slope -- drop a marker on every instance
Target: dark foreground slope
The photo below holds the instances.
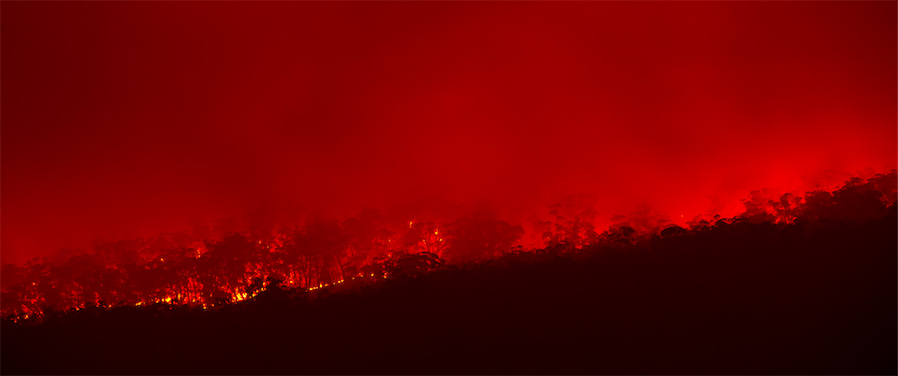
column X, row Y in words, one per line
column 812, row 298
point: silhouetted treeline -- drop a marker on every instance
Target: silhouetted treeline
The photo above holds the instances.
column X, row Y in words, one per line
column 811, row 295
column 184, row 269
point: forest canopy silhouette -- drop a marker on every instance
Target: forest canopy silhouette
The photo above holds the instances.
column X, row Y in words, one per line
column 182, row 268
column 815, row 272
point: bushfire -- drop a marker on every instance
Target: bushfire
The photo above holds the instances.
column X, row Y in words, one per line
column 179, row 269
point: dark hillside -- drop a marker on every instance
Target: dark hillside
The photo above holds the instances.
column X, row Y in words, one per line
column 741, row 298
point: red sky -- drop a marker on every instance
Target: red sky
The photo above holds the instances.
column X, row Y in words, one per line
column 125, row 119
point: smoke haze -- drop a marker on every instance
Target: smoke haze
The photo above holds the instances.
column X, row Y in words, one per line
column 124, row 119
